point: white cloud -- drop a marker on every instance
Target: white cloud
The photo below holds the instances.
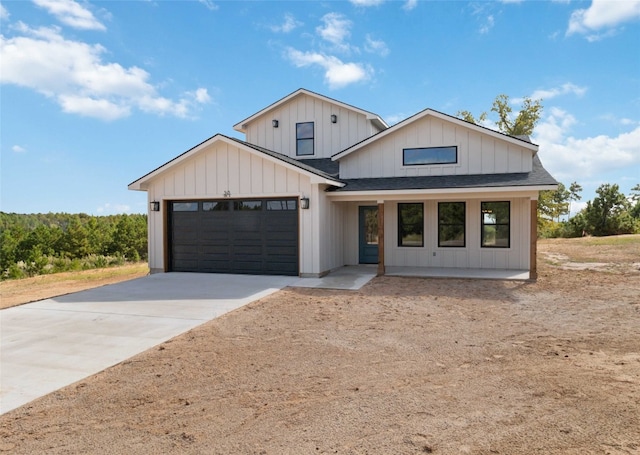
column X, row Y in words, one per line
column 71, row 13
column 366, row 2
column 18, row 149
column 602, row 14
column 73, row 73
column 488, row 25
column 289, row 24
column 549, row 93
column 201, row 96
column 4, row 14
column 209, row 5
column 376, row 46
column 409, row 5
column 337, row 73
column 573, row 159
column 335, row 29
column 91, row 107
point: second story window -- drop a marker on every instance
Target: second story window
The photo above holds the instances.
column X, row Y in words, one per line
column 304, row 139
column 430, row 155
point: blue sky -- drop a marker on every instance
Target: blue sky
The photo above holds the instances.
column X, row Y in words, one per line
column 95, row 94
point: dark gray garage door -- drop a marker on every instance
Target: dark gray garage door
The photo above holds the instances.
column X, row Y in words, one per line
column 254, row 236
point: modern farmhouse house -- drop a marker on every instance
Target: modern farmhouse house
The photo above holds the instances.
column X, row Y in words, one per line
column 318, row 184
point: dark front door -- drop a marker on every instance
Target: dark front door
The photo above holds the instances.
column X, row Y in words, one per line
column 368, row 238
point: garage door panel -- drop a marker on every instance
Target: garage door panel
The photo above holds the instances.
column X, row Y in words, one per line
column 232, row 240
column 209, row 265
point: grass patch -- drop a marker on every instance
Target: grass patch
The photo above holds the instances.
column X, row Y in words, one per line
column 614, row 240
column 17, row 292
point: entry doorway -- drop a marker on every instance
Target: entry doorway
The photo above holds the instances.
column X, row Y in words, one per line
column 368, row 234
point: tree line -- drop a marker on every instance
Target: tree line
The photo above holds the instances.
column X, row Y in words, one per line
column 35, row 244
column 611, row 212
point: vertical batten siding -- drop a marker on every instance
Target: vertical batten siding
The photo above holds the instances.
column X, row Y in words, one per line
column 478, row 153
column 330, row 233
column 352, row 127
column 223, row 167
column 351, row 233
column 472, row 255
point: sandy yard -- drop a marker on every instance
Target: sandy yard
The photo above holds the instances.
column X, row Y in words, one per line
column 403, row 366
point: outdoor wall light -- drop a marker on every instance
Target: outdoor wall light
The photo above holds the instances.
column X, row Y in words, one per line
column 155, row 206
column 334, row 118
column 274, row 123
column 304, row 203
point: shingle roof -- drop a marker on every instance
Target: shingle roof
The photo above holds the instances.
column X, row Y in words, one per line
column 302, row 164
column 537, row 177
column 326, row 165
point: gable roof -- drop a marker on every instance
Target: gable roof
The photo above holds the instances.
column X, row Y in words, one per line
column 538, row 177
column 376, row 119
column 279, row 158
column 519, row 140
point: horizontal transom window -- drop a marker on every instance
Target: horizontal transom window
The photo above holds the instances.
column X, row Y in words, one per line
column 430, row 155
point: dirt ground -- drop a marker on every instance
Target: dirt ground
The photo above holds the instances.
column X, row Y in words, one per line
column 403, row 366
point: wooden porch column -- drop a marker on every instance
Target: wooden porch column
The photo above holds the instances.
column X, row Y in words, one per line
column 380, row 238
column 533, row 247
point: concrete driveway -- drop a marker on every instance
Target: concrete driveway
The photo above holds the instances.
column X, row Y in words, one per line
column 52, row 343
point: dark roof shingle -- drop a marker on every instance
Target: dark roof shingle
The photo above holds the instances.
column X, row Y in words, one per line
column 537, row 177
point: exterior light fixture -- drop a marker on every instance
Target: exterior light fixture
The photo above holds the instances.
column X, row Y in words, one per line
column 155, row 206
column 334, row 118
column 274, row 123
column 304, row 203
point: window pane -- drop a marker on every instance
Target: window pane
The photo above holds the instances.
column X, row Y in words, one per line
column 495, row 212
column 304, row 130
column 430, row 155
column 304, row 138
column 247, row 205
column 495, row 224
column 410, row 224
column 305, row 147
column 451, row 224
column 215, row 206
column 282, row 205
column 185, row 206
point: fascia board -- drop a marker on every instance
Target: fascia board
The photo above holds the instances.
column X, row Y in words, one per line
column 517, row 191
column 142, row 183
column 240, row 126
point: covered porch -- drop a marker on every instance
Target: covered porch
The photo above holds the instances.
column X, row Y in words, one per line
column 432, row 258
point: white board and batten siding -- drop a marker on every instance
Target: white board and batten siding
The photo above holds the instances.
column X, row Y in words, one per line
column 472, row 255
column 222, row 167
column 478, row 153
column 329, row 138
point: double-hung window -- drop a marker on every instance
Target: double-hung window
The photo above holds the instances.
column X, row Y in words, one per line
column 451, row 224
column 304, row 139
column 496, row 224
column 410, row 224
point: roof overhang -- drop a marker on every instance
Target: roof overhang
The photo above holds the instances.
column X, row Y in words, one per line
column 142, row 183
column 374, row 118
column 440, row 193
column 448, row 118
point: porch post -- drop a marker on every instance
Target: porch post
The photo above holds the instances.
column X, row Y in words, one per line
column 533, row 248
column 380, row 238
